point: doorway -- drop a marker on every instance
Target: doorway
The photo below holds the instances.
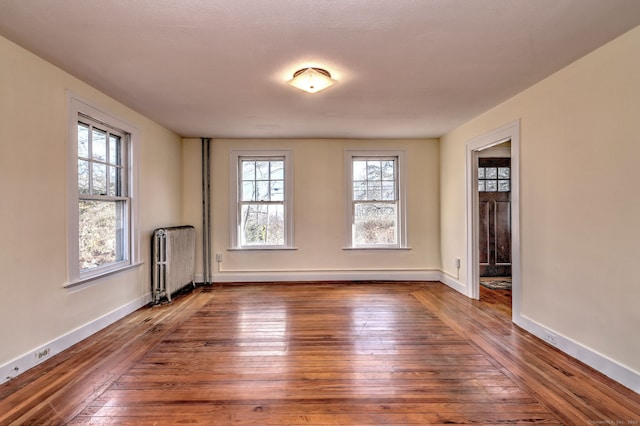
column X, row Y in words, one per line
column 505, row 140
column 494, row 226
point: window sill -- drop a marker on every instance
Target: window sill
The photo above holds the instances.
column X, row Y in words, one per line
column 378, row 248
column 86, row 280
column 262, row 249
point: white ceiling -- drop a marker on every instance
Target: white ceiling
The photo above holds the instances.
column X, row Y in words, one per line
column 405, row 68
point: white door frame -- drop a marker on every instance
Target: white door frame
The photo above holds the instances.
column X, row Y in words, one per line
column 509, row 132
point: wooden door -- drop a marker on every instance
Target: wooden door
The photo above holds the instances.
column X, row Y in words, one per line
column 494, row 194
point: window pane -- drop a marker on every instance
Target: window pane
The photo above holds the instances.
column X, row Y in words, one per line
column 113, row 180
column 277, row 190
column 83, row 140
column 99, row 186
column 359, row 170
column 388, row 191
column 262, row 224
column 114, row 149
column 248, row 170
column 481, row 187
column 120, row 186
column 262, row 190
column 481, row 173
column 275, row 225
column 504, row 172
column 248, row 191
column 491, row 173
column 277, row 170
column 99, row 145
column 491, row 185
column 250, row 230
column 374, row 171
column 262, row 170
column 374, row 191
column 102, row 233
column 375, row 223
column 387, row 170
column 83, row 177
column 504, row 186
column 360, row 190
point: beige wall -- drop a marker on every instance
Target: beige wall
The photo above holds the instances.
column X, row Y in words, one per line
column 580, row 142
column 319, row 185
column 34, row 306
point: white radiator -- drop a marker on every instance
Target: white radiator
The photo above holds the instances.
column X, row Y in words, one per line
column 173, row 260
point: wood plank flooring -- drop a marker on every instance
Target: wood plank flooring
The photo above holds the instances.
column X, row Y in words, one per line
column 499, row 300
column 316, row 354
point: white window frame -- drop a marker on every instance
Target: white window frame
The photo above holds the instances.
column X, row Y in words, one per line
column 78, row 107
column 399, row 157
column 236, row 156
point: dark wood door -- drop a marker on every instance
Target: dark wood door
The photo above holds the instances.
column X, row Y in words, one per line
column 494, row 194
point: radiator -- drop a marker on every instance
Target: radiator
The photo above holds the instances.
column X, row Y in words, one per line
column 173, row 252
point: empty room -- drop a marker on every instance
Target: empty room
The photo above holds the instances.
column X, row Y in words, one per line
column 319, row 212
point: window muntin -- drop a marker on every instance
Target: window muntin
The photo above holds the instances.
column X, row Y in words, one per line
column 376, row 200
column 262, row 199
column 103, row 201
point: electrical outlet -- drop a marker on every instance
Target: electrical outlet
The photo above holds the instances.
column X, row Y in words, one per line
column 458, row 262
column 549, row 337
column 42, row 354
column 218, row 257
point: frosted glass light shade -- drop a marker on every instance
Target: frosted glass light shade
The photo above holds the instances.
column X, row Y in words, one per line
column 311, row 80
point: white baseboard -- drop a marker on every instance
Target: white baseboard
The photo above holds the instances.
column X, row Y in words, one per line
column 453, row 282
column 327, row 275
column 610, row 368
column 30, row 359
column 340, row 275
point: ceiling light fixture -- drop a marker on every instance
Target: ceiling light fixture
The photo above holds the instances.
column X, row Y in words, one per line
column 311, row 79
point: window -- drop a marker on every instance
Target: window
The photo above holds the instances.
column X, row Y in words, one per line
column 102, row 195
column 101, row 210
column 376, row 200
column 263, row 204
column 494, row 175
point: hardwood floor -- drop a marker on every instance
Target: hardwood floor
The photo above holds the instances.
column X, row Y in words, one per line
column 316, row 354
column 499, row 300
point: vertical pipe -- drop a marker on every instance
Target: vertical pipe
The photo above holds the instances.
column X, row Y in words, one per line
column 209, row 211
column 205, row 273
column 206, row 210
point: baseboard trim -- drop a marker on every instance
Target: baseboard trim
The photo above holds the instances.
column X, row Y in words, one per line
column 37, row 355
column 339, row 275
column 453, row 282
column 326, row 275
column 605, row 365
